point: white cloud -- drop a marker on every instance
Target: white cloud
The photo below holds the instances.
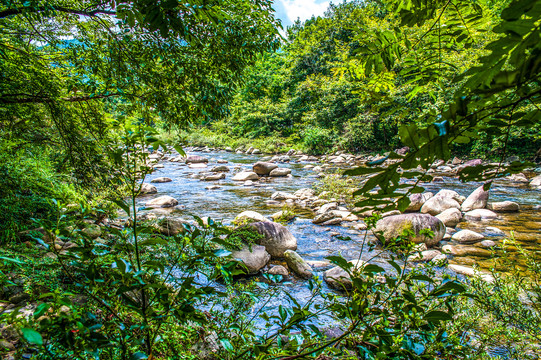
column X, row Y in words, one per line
column 304, row 9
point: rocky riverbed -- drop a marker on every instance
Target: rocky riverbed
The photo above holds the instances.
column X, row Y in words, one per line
column 470, row 224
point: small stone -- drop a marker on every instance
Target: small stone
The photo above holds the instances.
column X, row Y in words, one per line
column 504, row 206
column 278, row 270
column 487, row 243
column 480, row 214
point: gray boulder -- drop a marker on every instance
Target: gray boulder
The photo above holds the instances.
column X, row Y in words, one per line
column 275, row 237
column 450, row 217
column 504, row 206
column 245, row 175
column 418, row 200
column 254, row 260
column 337, row 278
column 480, row 214
column 148, row 189
column 438, row 204
column 220, row 168
column 161, row 180
column 280, row 172
column 467, row 236
column 162, row 202
column 264, row 168
column 476, row 200
column 196, row 159
column 392, row 227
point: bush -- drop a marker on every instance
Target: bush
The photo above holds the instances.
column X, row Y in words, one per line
column 318, row 140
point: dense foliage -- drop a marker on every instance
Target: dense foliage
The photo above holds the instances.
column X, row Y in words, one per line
column 84, row 86
column 350, row 79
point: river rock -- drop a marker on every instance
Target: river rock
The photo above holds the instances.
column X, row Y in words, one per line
column 164, row 201
column 278, row 270
column 171, row 226
column 504, row 206
column 245, row 176
column 220, row 168
column 280, row 172
column 297, row 264
column 418, row 200
column 469, row 163
column 214, row 177
column 451, row 194
column 438, row 204
column 392, row 227
column 275, row 237
column 280, row 195
column 264, row 168
column 480, row 214
column 487, row 244
column 161, row 180
column 424, row 256
column 536, row 181
column 469, row 271
column 338, row 278
column 467, row 237
column 450, row 217
column 148, row 189
column 249, row 216
column 196, row 159
column 495, row 231
column 254, row 259
column 326, row 216
column 465, row 251
column 439, row 260
column 305, row 193
column 476, row 200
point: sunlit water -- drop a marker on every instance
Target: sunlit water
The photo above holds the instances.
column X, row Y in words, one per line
column 315, row 242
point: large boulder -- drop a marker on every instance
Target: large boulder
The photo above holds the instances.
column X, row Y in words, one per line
column 196, row 159
column 504, row 206
column 438, row 204
column 476, row 200
column 245, row 176
column 337, row 278
column 254, row 259
column 280, row 172
column 148, row 189
column 391, row 227
column 275, row 237
column 450, row 217
column 264, row 168
column 297, row 264
column 162, row 202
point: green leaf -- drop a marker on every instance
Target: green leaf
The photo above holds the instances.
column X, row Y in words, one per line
column 32, row 336
column 436, row 315
column 138, row 356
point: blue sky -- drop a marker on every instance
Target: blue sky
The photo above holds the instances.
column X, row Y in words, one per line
column 289, row 10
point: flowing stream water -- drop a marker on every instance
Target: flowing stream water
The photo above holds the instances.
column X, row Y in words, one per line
column 315, row 242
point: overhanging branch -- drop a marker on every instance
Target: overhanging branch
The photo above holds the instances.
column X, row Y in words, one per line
column 28, row 9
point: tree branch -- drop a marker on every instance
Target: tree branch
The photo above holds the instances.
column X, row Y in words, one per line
column 4, row 99
column 28, row 9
